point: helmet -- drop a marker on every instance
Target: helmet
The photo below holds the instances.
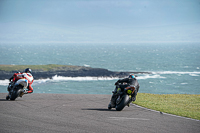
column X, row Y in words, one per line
column 131, row 76
column 28, row 70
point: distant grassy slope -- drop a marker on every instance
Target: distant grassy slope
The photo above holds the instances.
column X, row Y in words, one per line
column 36, row 67
column 48, row 71
column 179, row 104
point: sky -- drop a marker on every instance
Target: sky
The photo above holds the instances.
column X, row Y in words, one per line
column 99, row 21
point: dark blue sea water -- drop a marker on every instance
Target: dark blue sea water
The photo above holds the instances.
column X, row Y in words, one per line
column 174, row 66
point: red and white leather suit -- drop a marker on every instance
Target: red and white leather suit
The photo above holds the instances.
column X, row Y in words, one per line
column 27, row 76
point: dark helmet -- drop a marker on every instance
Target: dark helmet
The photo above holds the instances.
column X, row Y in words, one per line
column 131, row 76
column 28, row 70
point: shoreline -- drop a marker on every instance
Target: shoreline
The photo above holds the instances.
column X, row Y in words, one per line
column 49, row 71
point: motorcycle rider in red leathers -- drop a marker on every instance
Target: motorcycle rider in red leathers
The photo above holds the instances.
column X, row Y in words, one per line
column 16, row 76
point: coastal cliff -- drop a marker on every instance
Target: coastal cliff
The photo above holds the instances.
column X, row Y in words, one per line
column 48, row 71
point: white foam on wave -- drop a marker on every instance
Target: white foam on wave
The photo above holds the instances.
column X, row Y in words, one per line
column 150, row 76
column 40, row 81
column 4, row 82
column 82, row 78
column 86, row 65
column 61, row 78
column 191, row 74
column 184, row 83
column 154, row 75
column 176, row 72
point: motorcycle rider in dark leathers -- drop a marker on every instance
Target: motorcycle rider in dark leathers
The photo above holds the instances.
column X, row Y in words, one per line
column 131, row 80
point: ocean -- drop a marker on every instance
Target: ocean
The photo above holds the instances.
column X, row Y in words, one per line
column 174, row 66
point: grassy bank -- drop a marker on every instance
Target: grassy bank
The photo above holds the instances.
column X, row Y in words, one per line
column 179, row 104
column 35, row 67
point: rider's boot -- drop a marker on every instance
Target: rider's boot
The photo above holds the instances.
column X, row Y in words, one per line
column 21, row 94
column 134, row 95
column 24, row 92
column 129, row 102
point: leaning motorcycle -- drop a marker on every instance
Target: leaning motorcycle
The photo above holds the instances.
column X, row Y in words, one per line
column 18, row 89
column 123, row 98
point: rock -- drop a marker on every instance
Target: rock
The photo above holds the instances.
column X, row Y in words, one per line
column 73, row 72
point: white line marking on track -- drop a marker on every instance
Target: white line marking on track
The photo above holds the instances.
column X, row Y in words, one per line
column 127, row 118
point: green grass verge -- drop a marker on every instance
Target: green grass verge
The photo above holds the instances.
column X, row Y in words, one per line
column 185, row 105
column 34, row 67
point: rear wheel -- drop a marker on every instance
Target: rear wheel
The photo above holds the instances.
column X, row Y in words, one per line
column 15, row 93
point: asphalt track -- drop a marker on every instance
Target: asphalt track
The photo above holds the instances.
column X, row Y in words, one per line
column 84, row 113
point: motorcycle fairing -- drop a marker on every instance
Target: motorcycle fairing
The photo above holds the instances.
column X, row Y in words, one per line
column 23, row 82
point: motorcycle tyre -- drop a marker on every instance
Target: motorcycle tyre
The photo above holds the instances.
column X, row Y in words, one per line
column 7, row 97
column 15, row 94
column 109, row 107
column 123, row 103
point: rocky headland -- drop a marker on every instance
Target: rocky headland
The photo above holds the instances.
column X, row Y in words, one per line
column 48, row 71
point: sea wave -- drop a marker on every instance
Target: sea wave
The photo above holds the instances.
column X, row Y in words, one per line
column 154, row 75
column 82, row 78
column 61, row 78
column 176, row 72
column 4, row 82
column 148, row 76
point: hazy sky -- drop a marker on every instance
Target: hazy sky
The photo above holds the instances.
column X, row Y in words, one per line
column 99, row 20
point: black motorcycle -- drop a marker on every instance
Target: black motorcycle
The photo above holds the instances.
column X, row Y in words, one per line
column 123, row 97
column 17, row 89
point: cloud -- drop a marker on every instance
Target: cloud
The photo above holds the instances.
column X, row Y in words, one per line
column 95, row 21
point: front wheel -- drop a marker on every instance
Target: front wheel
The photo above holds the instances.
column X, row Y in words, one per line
column 7, row 97
column 109, row 107
column 124, row 101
